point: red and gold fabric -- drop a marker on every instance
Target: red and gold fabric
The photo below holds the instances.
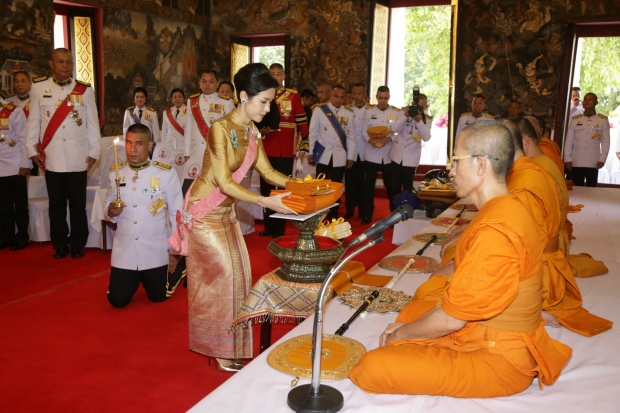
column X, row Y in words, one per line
column 281, row 143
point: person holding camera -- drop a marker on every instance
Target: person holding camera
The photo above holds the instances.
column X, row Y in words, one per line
column 406, row 150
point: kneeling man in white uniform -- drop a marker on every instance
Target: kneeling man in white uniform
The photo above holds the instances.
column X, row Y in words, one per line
column 152, row 194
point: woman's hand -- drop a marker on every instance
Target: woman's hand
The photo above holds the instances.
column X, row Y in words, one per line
column 275, row 202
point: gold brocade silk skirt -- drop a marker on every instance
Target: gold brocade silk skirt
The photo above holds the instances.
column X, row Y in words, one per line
column 219, row 279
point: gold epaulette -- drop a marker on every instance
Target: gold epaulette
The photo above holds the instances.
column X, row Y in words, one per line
column 369, row 106
column 130, row 107
column 116, row 166
column 429, row 117
column 150, row 108
column 602, row 116
column 40, row 79
column 81, row 82
column 348, row 107
column 316, row 105
column 9, row 106
column 577, row 116
column 395, row 108
column 223, row 97
column 195, row 95
column 488, row 115
column 292, row 90
column 162, row 165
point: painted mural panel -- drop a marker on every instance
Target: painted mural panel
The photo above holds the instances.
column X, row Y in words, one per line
column 329, row 37
column 25, row 39
column 149, row 51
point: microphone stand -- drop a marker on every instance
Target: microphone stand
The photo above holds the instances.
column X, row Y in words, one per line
column 314, row 397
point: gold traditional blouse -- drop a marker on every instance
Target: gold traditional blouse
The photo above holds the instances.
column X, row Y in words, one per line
column 224, row 155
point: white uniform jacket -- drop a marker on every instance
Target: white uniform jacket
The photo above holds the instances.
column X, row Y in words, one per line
column 391, row 117
column 168, row 132
column 149, row 119
column 77, row 137
column 587, row 140
column 468, row 118
column 212, row 107
column 13, row 141
column 360, row 143
column 407, row 145
column 19, row 102
column 141, row 237
column 322, row 131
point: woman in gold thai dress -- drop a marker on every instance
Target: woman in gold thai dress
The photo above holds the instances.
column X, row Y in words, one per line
column 218, row 265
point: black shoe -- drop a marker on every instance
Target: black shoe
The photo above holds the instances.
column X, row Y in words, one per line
column 264, row 233
column 277, row 234
column 366, row 221
column 4, row 244
column 20, row 245
column 77, row 253
column 61, row 252
column 348, row 215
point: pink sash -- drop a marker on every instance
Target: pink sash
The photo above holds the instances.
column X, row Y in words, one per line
column 179, row 240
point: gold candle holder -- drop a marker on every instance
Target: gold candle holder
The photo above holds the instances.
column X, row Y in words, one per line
column 119, row 202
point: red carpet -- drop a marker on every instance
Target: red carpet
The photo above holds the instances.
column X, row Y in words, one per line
column 64, row 348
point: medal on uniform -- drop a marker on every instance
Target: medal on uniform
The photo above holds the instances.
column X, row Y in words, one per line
column 286, row 108
column 4, row 124
column 147, row 116
column 2, row 138
column 76, row 100
column 135, row 178
column 344, row 121
column 75, row 115
column 155, row 186
column 12, row 142
column 48, row 90
column 390, row 118
column 596, row 136
column 373, row 116
column 157, row 206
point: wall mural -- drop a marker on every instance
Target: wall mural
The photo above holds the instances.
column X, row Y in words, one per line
column 329, row 38
column 514, row 50
column 149, row 51
column 25, row 39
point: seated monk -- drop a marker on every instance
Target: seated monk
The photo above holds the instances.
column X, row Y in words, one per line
column 485, row 337
column 547, row 146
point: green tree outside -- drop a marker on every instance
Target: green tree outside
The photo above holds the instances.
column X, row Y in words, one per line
column 600, row 60
column 427, row 59
column 269, row 55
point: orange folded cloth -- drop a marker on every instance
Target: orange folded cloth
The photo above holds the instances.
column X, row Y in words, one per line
column 584, row 266
column 353, row 272
column 575, row 208
column 584, row 323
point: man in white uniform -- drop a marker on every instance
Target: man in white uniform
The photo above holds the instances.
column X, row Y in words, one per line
column 354, row 176
column 14, row 168
column 202, row 110
column 22, row 83
column 406, row 151
column 381, row 114
column 331, row 128
column 587, row 143
column 152, row 195
column 142, row 114
column 476, row 115
column 63, row 139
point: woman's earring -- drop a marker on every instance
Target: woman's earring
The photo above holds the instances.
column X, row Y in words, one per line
column 243, row 100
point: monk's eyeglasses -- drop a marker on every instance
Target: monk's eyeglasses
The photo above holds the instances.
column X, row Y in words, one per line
column 459, row 158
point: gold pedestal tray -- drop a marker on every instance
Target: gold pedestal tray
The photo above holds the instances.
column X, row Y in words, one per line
column 307, row 258
column 338, row 356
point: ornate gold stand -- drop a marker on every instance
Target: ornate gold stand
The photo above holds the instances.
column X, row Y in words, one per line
column 306, row 262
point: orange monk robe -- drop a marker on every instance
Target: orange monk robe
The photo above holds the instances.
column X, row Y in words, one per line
column 552, row 150
column 497, row 289
column 562, row 191
column 529, row 182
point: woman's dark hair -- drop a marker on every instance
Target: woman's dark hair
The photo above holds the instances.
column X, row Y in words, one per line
column 254, row 78
column 175, row 90
column 140, row 90
column 226, row 82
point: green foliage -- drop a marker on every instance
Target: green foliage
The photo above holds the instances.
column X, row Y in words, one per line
column 600, row 60
column 427, row 59
column 270, row 54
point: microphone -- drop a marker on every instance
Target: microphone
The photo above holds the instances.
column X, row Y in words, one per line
column 402, row 213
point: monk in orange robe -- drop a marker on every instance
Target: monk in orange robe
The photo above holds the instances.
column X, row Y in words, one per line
column 485, row 337
column 552, row 150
